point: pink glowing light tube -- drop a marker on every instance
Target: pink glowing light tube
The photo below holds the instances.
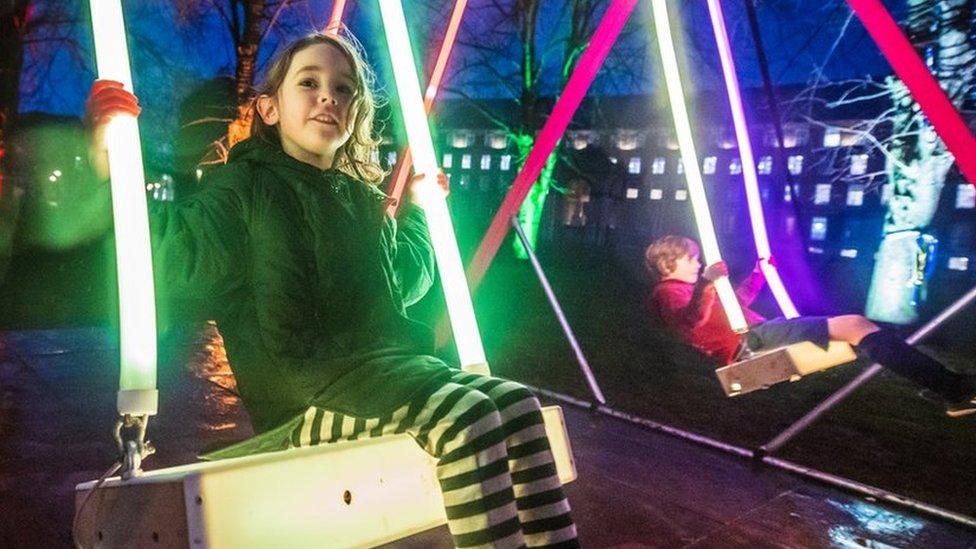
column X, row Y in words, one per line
column 335, row 18
column 586, row 69
column 399, row 179
column 924, row 88
column 750, row 180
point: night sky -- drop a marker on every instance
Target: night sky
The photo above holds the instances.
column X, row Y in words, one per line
column 805, row 40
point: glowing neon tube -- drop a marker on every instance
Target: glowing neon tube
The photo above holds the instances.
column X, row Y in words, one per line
column 335, row 18
column 749, row 177
column 399, row 179
column 696, row 187
column 137, row 307
column 562, row 113
column 920, row 82
column 430, row 195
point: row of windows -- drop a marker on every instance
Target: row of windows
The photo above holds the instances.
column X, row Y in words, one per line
column 858, row 163
column 794, row 135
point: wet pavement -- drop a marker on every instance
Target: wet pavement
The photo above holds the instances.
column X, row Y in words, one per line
column 636, row 488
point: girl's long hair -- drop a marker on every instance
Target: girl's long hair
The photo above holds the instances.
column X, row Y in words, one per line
column 355, row 156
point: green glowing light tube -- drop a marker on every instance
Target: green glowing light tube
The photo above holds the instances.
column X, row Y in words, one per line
column 137, row 309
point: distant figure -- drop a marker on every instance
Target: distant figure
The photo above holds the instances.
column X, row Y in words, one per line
column 685, row 301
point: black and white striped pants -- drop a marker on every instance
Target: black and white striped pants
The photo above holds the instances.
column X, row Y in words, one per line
column 495, row 466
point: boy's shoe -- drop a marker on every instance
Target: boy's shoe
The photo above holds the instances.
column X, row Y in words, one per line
column 961, row 408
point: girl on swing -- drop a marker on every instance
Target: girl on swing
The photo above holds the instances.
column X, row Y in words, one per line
column 686, row 301
column 312, row 280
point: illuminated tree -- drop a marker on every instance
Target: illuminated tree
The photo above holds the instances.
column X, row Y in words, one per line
column 916, row 160
column 529, row 55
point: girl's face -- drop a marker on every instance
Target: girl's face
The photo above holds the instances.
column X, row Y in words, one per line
column 312, row 106
column 686, row 268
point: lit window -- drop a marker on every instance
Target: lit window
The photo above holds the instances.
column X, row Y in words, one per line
column 681, row 194
column 447, row 160
column 632, row 193
column 657, row 194
column 486, row 162
column 815, row 250
column 965, row 196
column 818, row 228
column 466, row 162
column 735, row 166
column 465, row 181
column 855, row 195
column 832, row 137
column 765, row 166
column 821, row 193
column 506, row 162
column 628, row 140
column 657, row 168
column 461, row 140
column 612, row 159
column 859, row 164
column 634, row 166
column 795, row 164
column 496, row 140
column 958, row 263
column 787, row 194
column 391, row 158
column 849, row 253
column 708, row 165
column 681, row 166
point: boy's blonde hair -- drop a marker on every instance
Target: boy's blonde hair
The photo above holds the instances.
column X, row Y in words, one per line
column 660, row 258
column 355, row 156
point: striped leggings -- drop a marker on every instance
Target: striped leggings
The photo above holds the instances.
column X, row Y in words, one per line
column 495, row 467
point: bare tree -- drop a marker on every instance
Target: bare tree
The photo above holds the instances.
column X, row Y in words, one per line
column 529, row 58
column 916, row 162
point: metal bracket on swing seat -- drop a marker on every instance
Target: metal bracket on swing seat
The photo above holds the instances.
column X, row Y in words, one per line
column 788, row 363
column 358, row 493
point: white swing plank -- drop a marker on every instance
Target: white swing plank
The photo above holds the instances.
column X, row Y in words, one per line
column 788, row 363
column 348, row 494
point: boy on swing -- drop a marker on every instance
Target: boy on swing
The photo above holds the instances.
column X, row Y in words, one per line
column 686, row 301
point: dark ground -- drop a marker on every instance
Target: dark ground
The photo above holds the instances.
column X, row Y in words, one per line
column 636, row 488
column 885, row 435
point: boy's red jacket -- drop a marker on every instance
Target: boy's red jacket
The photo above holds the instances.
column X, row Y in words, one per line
column 694, row 311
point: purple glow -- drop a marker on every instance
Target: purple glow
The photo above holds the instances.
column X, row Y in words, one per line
column 749, row 177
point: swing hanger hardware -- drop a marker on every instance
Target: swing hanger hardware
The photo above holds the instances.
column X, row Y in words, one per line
column 130, row 437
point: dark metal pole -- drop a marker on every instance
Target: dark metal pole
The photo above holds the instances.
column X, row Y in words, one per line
column 583, row 364
column 801, row 424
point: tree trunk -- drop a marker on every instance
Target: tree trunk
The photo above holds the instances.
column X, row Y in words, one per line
column 919, row 161
column 248, row 43
column 13, row 26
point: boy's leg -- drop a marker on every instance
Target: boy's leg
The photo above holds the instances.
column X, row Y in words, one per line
column 542, row 507
column 889, row 350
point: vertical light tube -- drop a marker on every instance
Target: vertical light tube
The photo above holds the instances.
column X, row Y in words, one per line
column 429, row 194
column 137, row 307
column 399, row 179
column 696, row 186
column 749, row 177
column 588, row 65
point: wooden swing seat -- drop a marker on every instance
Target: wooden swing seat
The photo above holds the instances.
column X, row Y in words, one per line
column 346, row 494
column 787, row 363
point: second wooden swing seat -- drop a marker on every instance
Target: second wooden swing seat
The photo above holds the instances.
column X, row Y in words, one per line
column 787, row 363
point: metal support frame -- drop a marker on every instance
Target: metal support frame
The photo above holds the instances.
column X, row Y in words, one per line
column 836, row 481
column 580, row 358
column 801, row 424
